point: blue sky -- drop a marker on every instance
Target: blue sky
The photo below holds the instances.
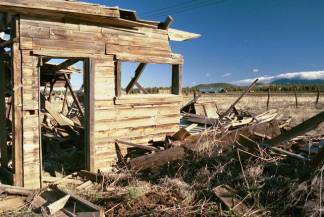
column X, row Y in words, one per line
column 240, row 38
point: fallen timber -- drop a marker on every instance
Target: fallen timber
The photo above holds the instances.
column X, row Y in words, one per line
column 260, row 130
column 239, row 98
column 300, row 129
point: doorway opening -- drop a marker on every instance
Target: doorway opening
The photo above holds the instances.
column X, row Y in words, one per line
column 63, row 117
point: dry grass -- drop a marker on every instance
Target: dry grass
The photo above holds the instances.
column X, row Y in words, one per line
column 270, row 184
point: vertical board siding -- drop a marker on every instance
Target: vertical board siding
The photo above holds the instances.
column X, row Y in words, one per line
column 31, row 137
column 17, row 115
column 104, row 91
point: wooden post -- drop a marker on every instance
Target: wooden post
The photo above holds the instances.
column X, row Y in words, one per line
column 3, row 122
column 176, row 87
column 296, row 100
column 317, row 96
column 39, row 64
column 167, row 23
column 118, row 78
column 89, row 89
column 17, row 108
column 65, row 102
column 51, row 90
column 268, row 100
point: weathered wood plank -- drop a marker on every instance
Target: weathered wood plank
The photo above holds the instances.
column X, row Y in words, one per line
column 29, row 31
column 176, row 87
column 31, row 150
column 85, row 47
column 17, row 109
column 178, row 35
column 125, row 49
column 73, row 8
column 129, row 132
column 136, row 112
column 3, row 131
column 90, row 89
column 173, row 59
column 300, row 129
column 137, row 122
column 57, row 205
column 145, row 147
column 118, row 78
column 157, row 159
column 147, row 99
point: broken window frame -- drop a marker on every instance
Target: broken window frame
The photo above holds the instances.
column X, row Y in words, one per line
column 176, row 82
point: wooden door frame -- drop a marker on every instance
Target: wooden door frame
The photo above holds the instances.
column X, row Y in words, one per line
column 88, row 82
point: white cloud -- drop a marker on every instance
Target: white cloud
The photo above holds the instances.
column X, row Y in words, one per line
column 310, row 75
column 226, row 75
column 255, row 70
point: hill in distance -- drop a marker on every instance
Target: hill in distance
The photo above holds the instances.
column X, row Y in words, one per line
column 297, row 81
column 215, row 85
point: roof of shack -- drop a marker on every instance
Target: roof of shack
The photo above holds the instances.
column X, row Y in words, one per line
column 76, row 11
column 72, row 10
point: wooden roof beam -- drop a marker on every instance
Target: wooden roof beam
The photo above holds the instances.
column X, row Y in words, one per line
column 141, row 88
column 66, row 64
column 75, row 98
column 75, row 8
column 138, row 73
column 178, row 35
column 72, row 11
column 167, row 23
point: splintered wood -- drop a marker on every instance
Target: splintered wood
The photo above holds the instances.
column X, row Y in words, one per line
column 157, row 159
column 227, row 196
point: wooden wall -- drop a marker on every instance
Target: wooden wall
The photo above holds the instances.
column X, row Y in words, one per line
column 89, row 39
column 31, row 124
column 132, row 118
column 126, row 117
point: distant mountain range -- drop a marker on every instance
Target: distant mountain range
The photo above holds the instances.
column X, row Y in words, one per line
column 297, row 81
column 284, row 81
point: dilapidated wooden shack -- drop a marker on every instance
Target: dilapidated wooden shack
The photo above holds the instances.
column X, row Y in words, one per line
column 35, row 31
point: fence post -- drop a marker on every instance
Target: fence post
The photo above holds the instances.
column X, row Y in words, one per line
column 296, row 98
column 317, row 96
column 268, row 100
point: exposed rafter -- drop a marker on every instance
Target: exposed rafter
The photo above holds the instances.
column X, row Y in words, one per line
column 138, row 73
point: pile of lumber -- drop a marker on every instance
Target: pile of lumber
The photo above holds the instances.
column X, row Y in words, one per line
column 226, row 131
column 48, row 201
